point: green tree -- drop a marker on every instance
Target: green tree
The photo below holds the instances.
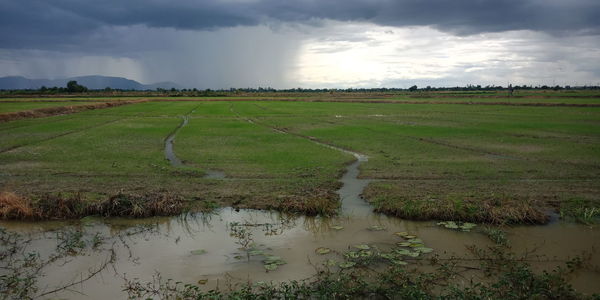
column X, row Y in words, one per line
column 74, row 87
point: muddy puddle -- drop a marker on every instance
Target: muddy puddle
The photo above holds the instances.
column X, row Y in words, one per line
column 229, row 247
column 203, row 248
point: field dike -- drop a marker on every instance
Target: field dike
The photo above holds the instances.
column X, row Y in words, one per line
column 62, row 110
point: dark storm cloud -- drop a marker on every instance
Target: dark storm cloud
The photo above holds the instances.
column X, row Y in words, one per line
column 60, row 23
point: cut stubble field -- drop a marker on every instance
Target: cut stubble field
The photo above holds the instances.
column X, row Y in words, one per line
column 482, row 163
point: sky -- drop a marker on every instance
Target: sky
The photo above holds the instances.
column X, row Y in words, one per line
column 305, row 43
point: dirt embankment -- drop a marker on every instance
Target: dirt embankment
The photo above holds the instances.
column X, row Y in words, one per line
column 61, row 110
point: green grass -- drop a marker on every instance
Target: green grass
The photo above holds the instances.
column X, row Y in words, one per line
column 467, row 157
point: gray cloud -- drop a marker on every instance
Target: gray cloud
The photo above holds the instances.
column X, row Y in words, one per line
column 62, row 24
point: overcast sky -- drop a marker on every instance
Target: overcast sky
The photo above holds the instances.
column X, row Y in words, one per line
column 305, row 43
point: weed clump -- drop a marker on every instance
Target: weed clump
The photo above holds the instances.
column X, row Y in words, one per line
column 15, row 207
column 320, row 202
column 485, row 210
column 140, row 206
column 580, row 210
column 62, row 206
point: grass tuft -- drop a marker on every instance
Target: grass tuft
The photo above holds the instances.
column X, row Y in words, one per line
column 15, row 207
column 62, row 206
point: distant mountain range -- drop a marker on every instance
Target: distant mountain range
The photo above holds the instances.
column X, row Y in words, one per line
column 94, row 82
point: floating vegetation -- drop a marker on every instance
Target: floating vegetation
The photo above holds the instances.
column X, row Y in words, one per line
column 376, row 228
column 412, row 254
column 202, row 281
column 347, row 265
column 331, row 263
column 398, row 262
column 466, row 226
column 272, row 259
column 337, row 227
column 362, row 247
column 423, row 249
column 198, row 252
column 358, row 254
column 496, row 235
column 322, row 250
column 255, row 252
column 272, row 262
column 403, row 244
column 402, row 251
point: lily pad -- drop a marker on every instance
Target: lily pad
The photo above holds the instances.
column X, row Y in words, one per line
column 402, row 252
column 202, row 281
column 365, row 253
column 331, row 262
column 403, row 244
column 423, row 249
column 410, row 236
column 401, row 234
column 415, row 241
column 352, row 254
column 272, row 259
column 256, row 252
column 388, row 256
column 376, row 228
column 198, row 252
column 417, row 245
column 362, row 247
column 413, row 254
column 467, row 226
column 271, row 267
column 398, row 262
column 451, row 225
column 347, row 265
column 337, row 227
column 322, row 250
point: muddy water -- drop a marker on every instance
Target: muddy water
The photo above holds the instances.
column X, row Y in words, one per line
column 169, row 152
column 168, row 247
column 294, row 239
column 176, row 162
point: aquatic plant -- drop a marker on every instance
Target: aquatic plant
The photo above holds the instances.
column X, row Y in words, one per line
column 510, row 277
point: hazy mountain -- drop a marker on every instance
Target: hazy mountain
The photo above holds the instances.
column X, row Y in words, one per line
column 93, row 82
